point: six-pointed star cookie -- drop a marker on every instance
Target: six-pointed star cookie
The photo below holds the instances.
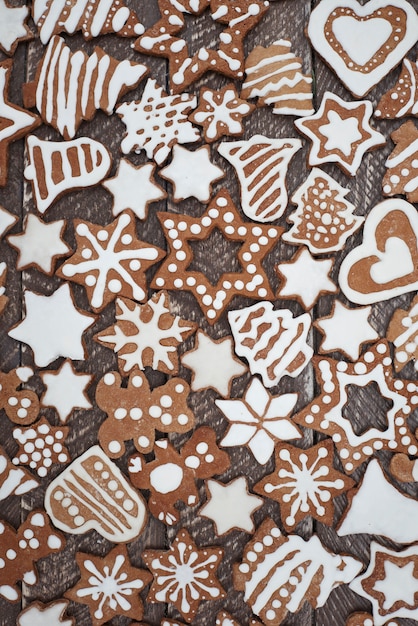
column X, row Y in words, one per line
column 256, row 239
column 340, row 133
column 185, row 67
column 133, row 187
column 40, row 244
column 305, row 278
column 184, row 575
column 13, row 28
column 326, row 412
column 66, row 390
column 346, row 330
column 304, row 483
column 231, row 506
column 213, row 363
column 53, row 326
column 192, row 173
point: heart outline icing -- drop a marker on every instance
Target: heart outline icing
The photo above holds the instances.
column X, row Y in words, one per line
column 361, row 272
column 324, row 32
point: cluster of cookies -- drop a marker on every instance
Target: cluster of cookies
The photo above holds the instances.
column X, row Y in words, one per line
column 199, row 416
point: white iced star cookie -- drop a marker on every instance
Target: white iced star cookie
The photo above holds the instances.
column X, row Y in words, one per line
column 346, row 330
column 259, row 420
column 213, row 364
column 305, row 278
column 53, row 326
column 231, row 506
column 133, row 187
column 13, row 28
column 39, row 244
column 39, row 614
column 66, row 390
column 7, row 220
column 192, row 173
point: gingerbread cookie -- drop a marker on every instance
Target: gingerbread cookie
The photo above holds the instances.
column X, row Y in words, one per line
column 323, row 219
column 402, row 99
column 109, row 585
column 3, row 298
column 362, row 44
column 220, row 113
column 15, row 121
column 340, row 133
column 272, row 341
column 256, row 241
column 63, row 79
column 110, row 261
column 402, row 165
column 65, row 390
column 39, row 244
column 13, row 26
column 385, row 264
column 278, row 574
column 157, row 122
column 14, row 480
column 40, row 446
column 327, row 412
column 168, row 568
column 135, row 412
column 259, row 420
column 185, row 67
column 404, row 469
column 92, row 17
column 171, row 476
column 274, row 76
column 146, row 335
column 59, row 167
column 20, row 405
column 92, row 493
column 40, row 614
column 53, row 326
column 403, row 333
column 261, row 165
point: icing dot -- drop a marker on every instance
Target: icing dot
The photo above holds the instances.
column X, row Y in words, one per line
column 114, row 447
column 143, row 441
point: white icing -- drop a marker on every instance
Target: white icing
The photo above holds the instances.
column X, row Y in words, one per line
column 395, row 262
column 341, row 133
column 6, row 220
column 358, row 82
column 12, row 25
column 42, row 615
column 166, row 478
column 220, row 114
column 274, row 156
column 14, row 480
column 66, row 390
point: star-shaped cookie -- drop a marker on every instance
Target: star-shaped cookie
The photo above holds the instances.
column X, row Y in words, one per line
column 256, row 241
column 66, row 390
column 213, row 364
column 340, row 133
column 13, row 27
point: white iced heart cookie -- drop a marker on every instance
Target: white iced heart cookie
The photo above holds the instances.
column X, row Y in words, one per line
column 385, row 265
column 362, row 43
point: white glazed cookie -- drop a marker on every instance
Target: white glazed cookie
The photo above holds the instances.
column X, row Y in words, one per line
column 13, row 27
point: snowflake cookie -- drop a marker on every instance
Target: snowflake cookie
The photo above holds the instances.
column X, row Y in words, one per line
column 403, row 333
column 109, row 585
column 402, row 164
column 110, row 261
column 135, row 412
column 259, row 420
column 20, row 405
column 181, row 231
column 402, row 99
column 52, row 614
column 327, row 413
column 272, row 341
column 279, row 574
column 171, row 476
column 92, row 493
column 184, row 575
column 340, row 133
column 304, row 483
column 237, row 19
column 40, row 446
column 220, row 112
column 146, row 335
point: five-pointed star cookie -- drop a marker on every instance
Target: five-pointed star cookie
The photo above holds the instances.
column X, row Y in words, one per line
column 213, row 364
column 133, row 187
column 305, row 278
column 346, row 330
column 66, row 390
column 15, row 122
column 256, row 241
column 53, row 326
column 110, row 261
column 326, row 413
column 340, row 133
column 192, row 173
column 39, row 244
column 231, row 506
column 13, row 28
column 304, row 483
column 184, row 575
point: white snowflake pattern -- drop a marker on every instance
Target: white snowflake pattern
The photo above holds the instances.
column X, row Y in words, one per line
column 221, row 113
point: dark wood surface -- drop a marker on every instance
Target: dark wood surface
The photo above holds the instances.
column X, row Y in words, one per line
column 285, row 19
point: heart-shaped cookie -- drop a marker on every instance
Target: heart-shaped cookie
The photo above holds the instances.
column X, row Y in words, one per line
column 385, row 265
column 362, row 43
